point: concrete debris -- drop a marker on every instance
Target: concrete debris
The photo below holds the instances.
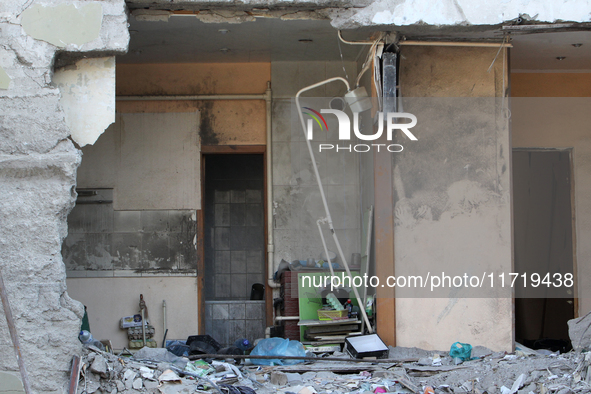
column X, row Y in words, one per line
column 417, row 370
column 99, row 366
column 579, row 331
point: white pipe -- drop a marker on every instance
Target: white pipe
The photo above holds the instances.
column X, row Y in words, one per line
column 270, row 243
column 454, row 44
column 195, row 97
column 439, row 43
column 319, row 181
column 280, row 318
column 353, row 42
column 144, row 326
column 164, row 314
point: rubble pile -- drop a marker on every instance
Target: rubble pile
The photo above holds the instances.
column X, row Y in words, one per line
column 408, row 370
column 156, row 371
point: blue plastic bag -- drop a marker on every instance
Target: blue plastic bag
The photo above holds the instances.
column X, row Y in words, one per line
column 462, row 351
column 278, row 347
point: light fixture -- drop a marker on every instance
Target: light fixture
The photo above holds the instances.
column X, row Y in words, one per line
column 224, row 50
column 357, row 100
column 560, row 57
column 337, row 103
column 578, row 45
column 223, row 31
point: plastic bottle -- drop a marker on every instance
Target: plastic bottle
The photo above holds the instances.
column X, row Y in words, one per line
column 349, row 307
column 243, row 344
column 85, row 337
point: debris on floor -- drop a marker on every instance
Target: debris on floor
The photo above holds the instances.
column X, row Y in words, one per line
column 406, row 370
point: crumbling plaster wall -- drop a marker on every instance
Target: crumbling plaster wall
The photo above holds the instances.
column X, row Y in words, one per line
column 460, row 12
column 150, row 159
column 551, row 110
column 38, row 165
column 452, row 196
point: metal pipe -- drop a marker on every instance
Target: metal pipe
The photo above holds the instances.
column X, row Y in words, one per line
column 144, row 326
column 319, row 181
column 280, row 318
column 14, row 336
column 195, row 97
column 270, row 239
column 306, row 358
column 164, row 313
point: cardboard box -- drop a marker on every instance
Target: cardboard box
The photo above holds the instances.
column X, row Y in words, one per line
column 132, row 321
column 363, row 346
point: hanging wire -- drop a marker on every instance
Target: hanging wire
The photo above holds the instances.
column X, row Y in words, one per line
column 497, row 55
column 343, row 60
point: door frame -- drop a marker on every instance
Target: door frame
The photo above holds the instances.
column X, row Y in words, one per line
column 571, row 156
column 229, row 150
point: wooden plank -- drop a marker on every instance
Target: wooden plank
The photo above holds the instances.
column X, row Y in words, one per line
column 74, row 375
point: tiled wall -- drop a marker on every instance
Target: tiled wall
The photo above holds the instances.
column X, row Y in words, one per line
column 103, row 242
column 227, row 321
column 234, row 238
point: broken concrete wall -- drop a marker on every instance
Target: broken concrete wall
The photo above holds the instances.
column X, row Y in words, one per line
column 88, row 97
column 460, row 12
column 452, row 196
column 145, row 170
column 550, row 110
column 148, row 166
column 297, row 203
column 38, row 164
column 347, row 14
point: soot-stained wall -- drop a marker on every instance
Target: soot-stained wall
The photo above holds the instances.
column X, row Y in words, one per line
column 452, row 201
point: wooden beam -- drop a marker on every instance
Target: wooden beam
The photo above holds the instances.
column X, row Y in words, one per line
column 384, row 215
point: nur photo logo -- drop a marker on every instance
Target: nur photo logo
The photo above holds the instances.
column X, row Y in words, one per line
column 392, row 124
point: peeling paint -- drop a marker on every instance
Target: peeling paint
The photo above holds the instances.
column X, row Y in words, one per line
column 88, row 97
column 4, row 79
column 64, row 24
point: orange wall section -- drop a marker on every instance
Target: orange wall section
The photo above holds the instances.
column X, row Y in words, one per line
column 551, row 84
column 224, row 122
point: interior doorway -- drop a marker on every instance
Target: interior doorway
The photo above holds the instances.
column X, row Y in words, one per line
column 543, row 234
column 234, row 246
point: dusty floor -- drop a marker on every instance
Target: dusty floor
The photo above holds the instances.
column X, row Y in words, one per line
column 522, row 372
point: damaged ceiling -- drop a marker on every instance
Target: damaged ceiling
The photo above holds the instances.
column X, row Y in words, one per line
column 210, row 37
column 184, row 38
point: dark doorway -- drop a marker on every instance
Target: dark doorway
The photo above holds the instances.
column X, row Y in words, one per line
column 234, row 245
column 543, row 234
